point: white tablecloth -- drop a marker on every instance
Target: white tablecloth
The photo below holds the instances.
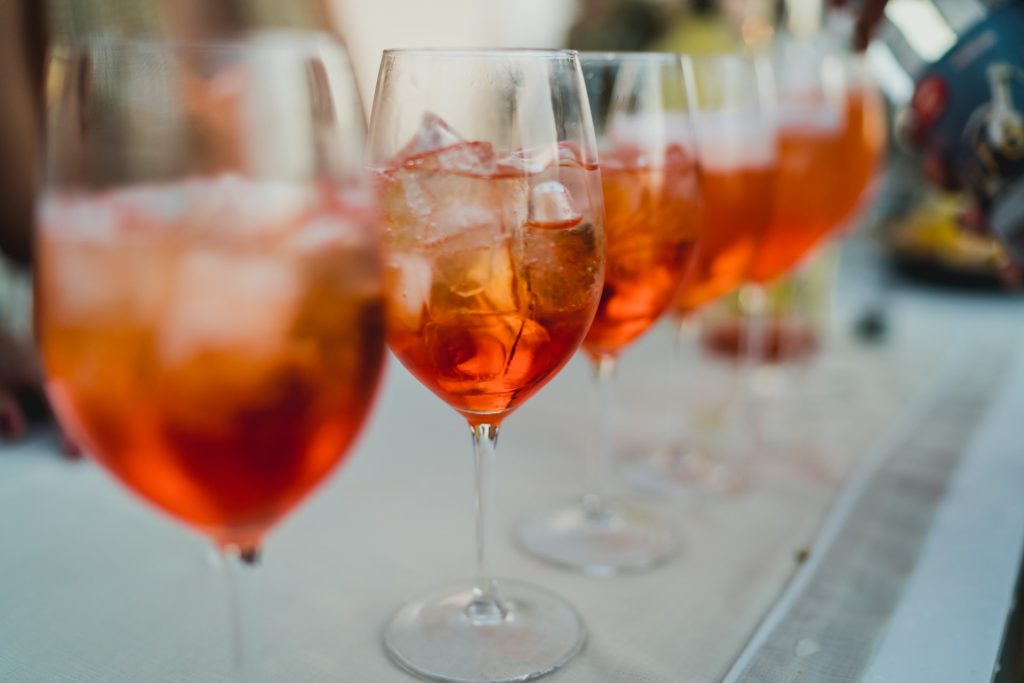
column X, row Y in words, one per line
column 96, row 586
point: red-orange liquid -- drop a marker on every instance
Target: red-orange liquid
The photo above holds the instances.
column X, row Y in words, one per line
column 736, row 209
column 821, row 179
column 485, row 313
column 220, row 382
column 650, row 232
column 863, row 145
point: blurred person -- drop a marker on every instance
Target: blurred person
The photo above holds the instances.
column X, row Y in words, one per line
column 22, row 45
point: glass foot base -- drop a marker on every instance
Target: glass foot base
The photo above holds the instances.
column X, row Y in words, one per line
column 616, row 539
column 686, row 470
column 446, row 636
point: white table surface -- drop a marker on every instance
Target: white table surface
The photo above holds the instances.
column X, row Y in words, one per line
column 95, row 586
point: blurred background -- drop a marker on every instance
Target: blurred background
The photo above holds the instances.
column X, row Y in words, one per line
column 909, row 229
column 918, row 226
column 909, row 232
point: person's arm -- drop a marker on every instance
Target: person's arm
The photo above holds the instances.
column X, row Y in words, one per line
column 20, row 64
column 22, row 42
column 867, row 14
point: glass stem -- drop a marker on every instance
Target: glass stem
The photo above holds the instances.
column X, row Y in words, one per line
column 754, row 302
column 599, row 458
column 686, row 340
column 487, row 605
column 237, row 565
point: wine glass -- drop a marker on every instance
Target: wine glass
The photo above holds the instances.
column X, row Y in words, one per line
column 209, row 285
column 831, row 135
column 734, row 121
column 649, row 179
column 491, row 200
column 831, row 139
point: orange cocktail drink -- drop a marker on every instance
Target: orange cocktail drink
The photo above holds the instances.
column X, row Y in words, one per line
column 651, row 229
column 218, row 361
column 738, row 177
column 492, row 270
column 828, row 154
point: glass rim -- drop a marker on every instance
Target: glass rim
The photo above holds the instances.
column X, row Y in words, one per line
column 741, row 56
column 628, row 56
column 731, row 55
column 508, row 52
column 295, row 40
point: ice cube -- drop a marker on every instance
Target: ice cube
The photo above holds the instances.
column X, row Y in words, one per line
column 515, row 200
column 534, row 160
column 231, row 206
column 475, row 276
column 466, row 158
column 502, row 289
column 328, row 231
column 227, row 206
column 91, row 269
column 90, row 282
column 471, row 224
column 436, row 147
column 223, row 301
column 733, row 139
column 551, row 206
column 79, row 219
column 432, row 134
column 427, row 208
column 410, row 277
column 570, row 156
column 527, row 162
column 154, row 205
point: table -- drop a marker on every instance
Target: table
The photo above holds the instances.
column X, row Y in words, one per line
column 96, row 586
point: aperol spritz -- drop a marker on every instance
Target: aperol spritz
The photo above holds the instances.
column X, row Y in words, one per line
column 220, row 360
column 209, row 281
column 651, row 229
column 735, row 129
column 640, row 106
column 831, row 137
column 491, row 201
column 491, row 267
